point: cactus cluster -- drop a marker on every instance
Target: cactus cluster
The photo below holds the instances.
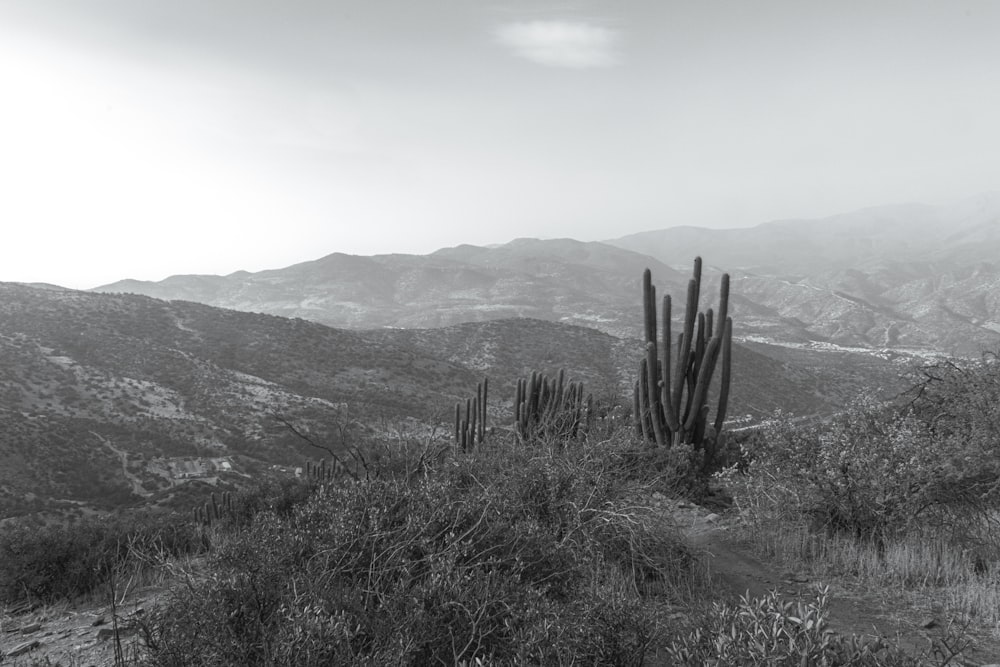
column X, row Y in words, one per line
column 546, row 408
column 471, row 429
column 671, row 395
column 322, row 472
column 212, row 511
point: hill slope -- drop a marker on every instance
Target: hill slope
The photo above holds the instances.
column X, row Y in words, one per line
column 116, row 399
column 102, row 397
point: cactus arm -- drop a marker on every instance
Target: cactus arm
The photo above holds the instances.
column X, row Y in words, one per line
column 724, row 300
column 652, row 394
column 636, row 409
column 727, row 359
column 643, row 407
column 684, row 352
column 699, row 344
column 701, row 385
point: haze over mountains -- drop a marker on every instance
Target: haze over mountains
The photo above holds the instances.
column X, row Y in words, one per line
column 901, row 277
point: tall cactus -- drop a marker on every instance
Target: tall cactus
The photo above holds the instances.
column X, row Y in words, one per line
column 672, row 410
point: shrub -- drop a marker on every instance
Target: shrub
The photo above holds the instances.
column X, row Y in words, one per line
column 508, row 555
column 873, row 472
column 67, row 561
column 280, row 496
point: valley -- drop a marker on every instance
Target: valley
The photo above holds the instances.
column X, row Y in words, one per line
column 123, row 400
column 97, row 386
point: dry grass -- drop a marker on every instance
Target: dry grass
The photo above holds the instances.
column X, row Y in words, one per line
column 959, row 577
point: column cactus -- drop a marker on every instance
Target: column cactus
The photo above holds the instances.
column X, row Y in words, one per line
column 471, row 429
column 671, row 401
column 550, row 408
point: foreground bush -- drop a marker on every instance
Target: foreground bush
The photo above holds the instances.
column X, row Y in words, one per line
column 876, row 473
column 511, row 556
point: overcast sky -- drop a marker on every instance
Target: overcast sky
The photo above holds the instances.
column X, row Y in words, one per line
column 143, row 138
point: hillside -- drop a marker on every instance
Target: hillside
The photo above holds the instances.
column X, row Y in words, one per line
column 765, row 378
column 107, row 398
column 120, row 399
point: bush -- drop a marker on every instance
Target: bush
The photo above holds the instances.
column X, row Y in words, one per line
column 51, row 563
column 509, row 555
column 280, row 496
column 873, row 472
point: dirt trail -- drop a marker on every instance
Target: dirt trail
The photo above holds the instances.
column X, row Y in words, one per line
column 858, row 612
column 134, row 481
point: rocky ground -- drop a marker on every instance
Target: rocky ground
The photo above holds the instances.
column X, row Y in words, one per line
column 72, row 636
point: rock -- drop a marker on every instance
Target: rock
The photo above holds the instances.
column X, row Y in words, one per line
column 21, row 649
column 100, row 620
column 800, row 578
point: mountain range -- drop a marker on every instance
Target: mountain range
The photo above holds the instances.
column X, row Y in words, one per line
column 908, row 277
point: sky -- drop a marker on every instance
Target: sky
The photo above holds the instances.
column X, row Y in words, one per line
column 145, row 138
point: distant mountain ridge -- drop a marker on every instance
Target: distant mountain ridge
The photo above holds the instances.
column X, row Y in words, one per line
column 902, row 277
column 897, row 233
column 561, row 280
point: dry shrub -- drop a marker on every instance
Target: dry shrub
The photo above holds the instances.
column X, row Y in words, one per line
column 508, row 555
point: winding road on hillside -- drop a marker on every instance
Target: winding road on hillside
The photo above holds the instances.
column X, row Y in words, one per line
column 130, row 477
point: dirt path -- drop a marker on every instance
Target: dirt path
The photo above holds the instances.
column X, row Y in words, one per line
column 134, row 481
column 859, row 612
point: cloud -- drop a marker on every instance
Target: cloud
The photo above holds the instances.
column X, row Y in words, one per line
column 561, row 43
